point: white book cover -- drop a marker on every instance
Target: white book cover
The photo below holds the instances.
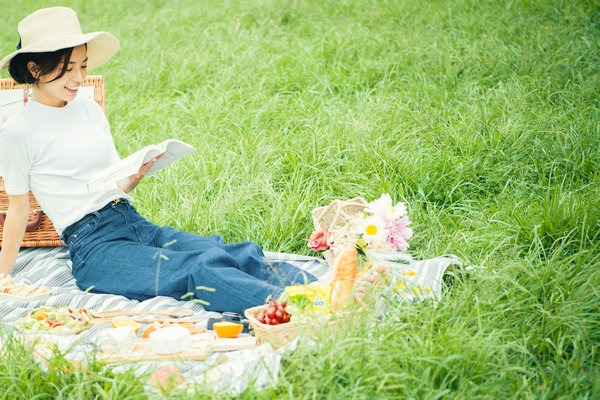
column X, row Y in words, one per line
column 173, row 150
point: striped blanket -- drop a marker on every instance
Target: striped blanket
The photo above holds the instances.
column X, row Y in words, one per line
column 51, row 267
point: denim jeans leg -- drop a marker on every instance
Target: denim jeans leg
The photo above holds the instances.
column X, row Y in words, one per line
column 240, row 274
column 122, row 253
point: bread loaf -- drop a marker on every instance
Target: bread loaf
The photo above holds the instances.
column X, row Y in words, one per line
column 344, row 275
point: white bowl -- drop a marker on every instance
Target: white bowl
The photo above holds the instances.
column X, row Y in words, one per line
column 170, row 340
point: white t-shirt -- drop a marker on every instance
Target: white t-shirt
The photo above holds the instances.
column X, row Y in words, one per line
column 54, row 152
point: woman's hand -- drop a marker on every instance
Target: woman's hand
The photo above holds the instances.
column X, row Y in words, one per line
column 129, row 183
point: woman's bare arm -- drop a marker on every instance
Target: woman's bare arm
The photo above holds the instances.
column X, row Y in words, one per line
column 14, row 230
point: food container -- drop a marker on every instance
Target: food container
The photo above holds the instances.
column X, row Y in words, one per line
column 277, row 335
column 170, row 340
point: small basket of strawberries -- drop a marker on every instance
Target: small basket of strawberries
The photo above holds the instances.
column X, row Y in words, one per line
column 272, row 323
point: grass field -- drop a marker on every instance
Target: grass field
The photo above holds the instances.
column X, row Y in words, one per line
column 482, row 115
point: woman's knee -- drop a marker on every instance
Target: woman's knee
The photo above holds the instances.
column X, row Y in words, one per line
column 246, row 252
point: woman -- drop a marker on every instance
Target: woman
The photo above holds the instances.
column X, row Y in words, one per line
column 56, row 143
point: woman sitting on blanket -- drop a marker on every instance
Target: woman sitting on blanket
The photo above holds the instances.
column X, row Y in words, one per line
column 57, row 142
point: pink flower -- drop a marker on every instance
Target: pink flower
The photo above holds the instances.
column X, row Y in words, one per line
column 319, row 240
column 398, row 232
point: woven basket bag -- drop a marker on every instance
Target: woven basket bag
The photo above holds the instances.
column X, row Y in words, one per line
column 40, row 231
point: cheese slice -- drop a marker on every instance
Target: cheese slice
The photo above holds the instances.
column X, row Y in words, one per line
column 121, row 341
column 170, row 340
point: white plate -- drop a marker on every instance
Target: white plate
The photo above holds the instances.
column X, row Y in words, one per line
column 21, row 299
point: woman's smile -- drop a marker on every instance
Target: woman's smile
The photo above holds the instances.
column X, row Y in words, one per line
column 57, row 92
column 72, row 89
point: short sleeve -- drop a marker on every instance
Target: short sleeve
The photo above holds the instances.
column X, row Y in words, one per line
column 16, row 155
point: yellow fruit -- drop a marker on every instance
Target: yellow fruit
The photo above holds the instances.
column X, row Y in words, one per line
column 226, row 329
column 117, row 322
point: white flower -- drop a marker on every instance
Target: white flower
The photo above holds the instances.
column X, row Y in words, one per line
column 372, row 230
column 399, row 210
column 383, row 207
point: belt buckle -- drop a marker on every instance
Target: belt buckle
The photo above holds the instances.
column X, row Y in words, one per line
column 117, row 201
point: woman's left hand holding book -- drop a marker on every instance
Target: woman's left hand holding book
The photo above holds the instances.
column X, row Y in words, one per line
column 129, row 183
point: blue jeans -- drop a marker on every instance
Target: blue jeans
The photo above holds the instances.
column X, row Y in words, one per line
column 118, row 251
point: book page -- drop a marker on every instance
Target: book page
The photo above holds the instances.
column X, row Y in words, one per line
column 122, row 169
column 174, row 149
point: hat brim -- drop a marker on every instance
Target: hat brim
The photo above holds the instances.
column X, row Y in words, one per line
column 101, row 46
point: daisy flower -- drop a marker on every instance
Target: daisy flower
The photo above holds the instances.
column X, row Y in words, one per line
column 372, row 230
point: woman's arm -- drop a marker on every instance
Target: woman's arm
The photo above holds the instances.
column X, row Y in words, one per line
column 129, row 183
column 14, row 230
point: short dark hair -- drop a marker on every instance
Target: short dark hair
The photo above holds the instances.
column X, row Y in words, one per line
column 46, row 61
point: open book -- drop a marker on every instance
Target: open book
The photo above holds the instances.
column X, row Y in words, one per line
column 174, row 150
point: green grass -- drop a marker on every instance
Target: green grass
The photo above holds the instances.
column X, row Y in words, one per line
column 482, row 115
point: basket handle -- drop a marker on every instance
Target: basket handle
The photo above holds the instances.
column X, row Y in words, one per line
column 31, row 225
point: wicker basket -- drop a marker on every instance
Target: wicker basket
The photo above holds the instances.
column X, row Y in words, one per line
column 276, row 335
column 279, row 335
column 41, row 234
column 337, row 214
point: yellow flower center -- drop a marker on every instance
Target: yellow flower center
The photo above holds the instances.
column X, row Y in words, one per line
column 371, row 230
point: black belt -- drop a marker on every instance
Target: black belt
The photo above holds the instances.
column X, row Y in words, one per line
column 72, row 228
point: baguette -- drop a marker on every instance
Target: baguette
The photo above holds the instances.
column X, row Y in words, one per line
column 344, row 275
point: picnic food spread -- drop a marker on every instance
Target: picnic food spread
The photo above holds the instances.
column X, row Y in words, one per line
column 58, row 321
column 20, row 290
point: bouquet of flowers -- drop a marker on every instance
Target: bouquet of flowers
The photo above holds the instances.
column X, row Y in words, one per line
column 379, row 225
column 343, row 227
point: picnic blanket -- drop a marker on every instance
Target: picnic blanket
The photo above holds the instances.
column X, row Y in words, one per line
column 51, row 267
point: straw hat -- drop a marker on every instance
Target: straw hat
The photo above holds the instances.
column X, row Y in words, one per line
column 55, row 28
